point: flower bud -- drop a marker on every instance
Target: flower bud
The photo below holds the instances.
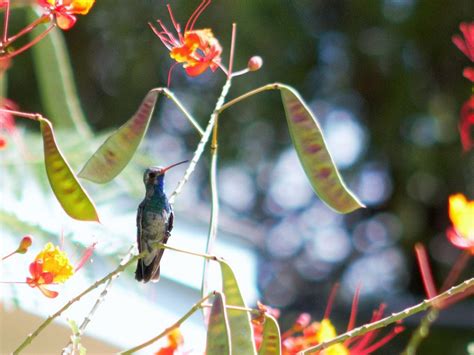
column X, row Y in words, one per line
column 25, row 243
column 255, row 63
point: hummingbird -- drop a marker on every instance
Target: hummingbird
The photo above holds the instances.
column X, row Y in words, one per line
column 154, row 223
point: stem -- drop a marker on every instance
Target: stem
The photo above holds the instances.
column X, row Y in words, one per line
column 421, row 332
column 96, row 284
column 274, row 86
column 188, row 314
column 25, row 30
column 205, row 256
column 5, row 24
column 395, row 317
column 31, row 44
column 7, row 256
column 212, row 234
column 423, row 329
column 31, row 116
column 202, row 143
column 99, row 300
column 173, row 98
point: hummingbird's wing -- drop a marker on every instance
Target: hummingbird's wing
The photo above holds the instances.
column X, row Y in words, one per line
column 140, row 272
column 155, row 275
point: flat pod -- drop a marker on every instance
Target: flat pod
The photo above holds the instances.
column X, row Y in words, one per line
column 314, row 155
column 118, row 149
column 239, row 321
column 218, row 336
column 69, row 192
column 271, row 340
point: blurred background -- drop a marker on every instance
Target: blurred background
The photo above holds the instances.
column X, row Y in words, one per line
column 384, row 80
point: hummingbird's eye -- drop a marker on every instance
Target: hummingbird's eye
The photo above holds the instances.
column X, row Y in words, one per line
column 152, row 175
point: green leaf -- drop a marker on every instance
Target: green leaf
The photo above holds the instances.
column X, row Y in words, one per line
column 118, row 149
column 69, row 192
column 56, row 80
column 271, row 341
column 218, row 335
column 239, row 321
column 314, row 155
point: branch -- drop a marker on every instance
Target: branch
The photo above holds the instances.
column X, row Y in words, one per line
column 395, row 317
column 175, row 325
column 96, row 284
column 202, row 143
column 99, row 300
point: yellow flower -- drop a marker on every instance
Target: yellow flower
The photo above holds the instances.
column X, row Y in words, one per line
column 56, row 262
column 461, row 213
column 327, row 332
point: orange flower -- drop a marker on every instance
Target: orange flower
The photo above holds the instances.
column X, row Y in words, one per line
column 461, row 213
column 175, row 340
column 52, row 266
column 197, row 50
column 64, row 10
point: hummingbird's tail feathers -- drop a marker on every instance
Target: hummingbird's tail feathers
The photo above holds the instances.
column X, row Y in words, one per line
column 149, row 272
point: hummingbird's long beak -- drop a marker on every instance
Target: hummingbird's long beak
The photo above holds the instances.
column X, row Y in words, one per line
column 173, row 165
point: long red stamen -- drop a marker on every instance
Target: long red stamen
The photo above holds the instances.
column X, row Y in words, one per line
column 195, row 15
column 394, row 332
column 456, row 270
column 355, row 304
column 425, row 270
column 169, row 73
column 176, row 26
column 5, row 22
column 166, row 42
column 332, row 295
column 367, row 338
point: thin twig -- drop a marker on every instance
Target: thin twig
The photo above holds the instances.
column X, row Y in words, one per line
column 200, row 148
column 422, row 331
column 179, row 250
column 175, row 325
column 96, row 284
column 99, row 300
column 172, row 97
column 395, row 317
column 5, row 23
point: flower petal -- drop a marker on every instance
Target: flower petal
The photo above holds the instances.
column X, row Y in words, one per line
column 48, row 293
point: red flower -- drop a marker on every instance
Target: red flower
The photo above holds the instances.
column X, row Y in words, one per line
column 64, row 10
column 466, row 45
column 175, row 341
column 198, row 50
column 466, row 125
column 7, row 122
column 304, row 333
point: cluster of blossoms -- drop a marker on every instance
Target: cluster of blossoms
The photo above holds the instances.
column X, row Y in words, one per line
column 466, row 45
column 197, row 50
column 306, row 333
